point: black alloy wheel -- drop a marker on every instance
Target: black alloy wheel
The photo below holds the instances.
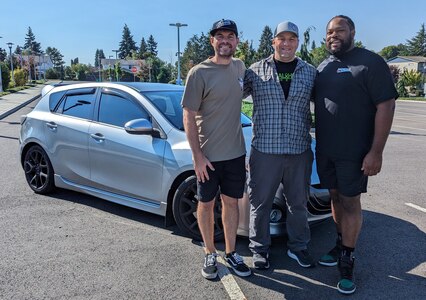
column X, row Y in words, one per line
column 38, row 170
column 185, row 205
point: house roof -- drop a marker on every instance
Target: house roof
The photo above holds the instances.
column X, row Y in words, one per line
column 399, row 59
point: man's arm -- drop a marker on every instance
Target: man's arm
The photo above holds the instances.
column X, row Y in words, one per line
column 247, row 83
column 200, row 161
column 372, row 163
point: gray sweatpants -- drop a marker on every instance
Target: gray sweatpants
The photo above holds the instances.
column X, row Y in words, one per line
column 266, row 173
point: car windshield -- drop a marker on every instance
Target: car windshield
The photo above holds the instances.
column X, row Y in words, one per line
column 168, row 103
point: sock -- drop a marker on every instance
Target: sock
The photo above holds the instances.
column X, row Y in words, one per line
column 348, row 252
column 339, row 239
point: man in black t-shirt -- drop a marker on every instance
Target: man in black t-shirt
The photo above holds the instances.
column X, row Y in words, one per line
column 354, row 107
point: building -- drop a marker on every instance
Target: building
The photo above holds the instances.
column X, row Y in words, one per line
column 126, row 65
column 41, row 63
column 415, row 63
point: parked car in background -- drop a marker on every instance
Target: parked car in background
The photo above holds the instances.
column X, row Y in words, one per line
column 125, row 143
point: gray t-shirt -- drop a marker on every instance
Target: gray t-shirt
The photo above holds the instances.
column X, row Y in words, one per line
column 215, row 92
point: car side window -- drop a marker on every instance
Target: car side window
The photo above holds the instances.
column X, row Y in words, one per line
column 117, row 110
column 54, row 99
column 78, row 103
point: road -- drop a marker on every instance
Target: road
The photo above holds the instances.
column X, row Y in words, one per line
column 73, row 246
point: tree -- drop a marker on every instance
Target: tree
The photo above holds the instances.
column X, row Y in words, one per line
column 151, row 46
column 319, row 54
column 265, row 44
column 197, row 49
column 127, row 44
column 246, row 52
column 117, row 71
column 359, row 44
column 56, row 57
column 5, row 75
column 165, row 74
column 417, row 45
column 18, row 50
column 143, row 48
column 392, row 51
column 80, row 71
column 74, row 61
column 98, row 56
column 31, row 44
column 3, row 54
column 304, row 52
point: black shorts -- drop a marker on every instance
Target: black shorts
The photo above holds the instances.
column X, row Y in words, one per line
column 229, row 176
column 343, row 175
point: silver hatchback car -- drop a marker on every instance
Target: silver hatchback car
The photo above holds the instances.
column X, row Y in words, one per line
column 125, row 143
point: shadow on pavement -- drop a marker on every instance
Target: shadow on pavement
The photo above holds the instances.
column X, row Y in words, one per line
column 388, row 251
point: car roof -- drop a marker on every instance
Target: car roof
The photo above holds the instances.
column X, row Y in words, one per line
column 137, row 86
column 151, row 86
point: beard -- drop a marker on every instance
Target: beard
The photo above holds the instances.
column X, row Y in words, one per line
column 345, row 45
column 225, row 51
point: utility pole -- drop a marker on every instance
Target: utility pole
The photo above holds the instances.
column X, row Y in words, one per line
column 1, row 81
column 10, row 57
column 178, row 26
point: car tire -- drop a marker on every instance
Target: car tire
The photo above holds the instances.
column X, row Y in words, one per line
column 38, row 170
column 185, row 205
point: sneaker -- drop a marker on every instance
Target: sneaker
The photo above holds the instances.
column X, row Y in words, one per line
column 261, row 261
column 346, row 284
column 302, row 257
column 209, row 270
column 330, row 259
column 236, row 262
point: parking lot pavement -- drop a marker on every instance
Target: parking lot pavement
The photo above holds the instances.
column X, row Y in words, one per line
column 13, row 102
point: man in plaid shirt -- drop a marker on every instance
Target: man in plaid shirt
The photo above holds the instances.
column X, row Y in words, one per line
column 281, row 87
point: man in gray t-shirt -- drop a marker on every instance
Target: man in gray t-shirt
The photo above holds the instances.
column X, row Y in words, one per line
column 211, row 116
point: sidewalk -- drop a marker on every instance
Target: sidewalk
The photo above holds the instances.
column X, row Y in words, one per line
column 13, row 102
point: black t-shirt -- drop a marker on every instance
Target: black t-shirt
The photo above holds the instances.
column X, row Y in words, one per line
column 285, row 72
column 347, row 90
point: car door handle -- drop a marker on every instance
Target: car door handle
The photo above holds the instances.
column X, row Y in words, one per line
column 98, row 137
column 52, row 125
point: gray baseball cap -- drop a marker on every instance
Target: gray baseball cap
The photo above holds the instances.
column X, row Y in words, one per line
column 286, row 26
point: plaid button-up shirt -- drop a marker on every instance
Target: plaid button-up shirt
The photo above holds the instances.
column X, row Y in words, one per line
column 280, row 126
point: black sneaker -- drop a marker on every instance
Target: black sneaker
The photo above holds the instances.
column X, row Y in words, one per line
column 330, row 259
column 261, row 261
column 302, row 257
column 209, row 270
column 237, row 264
column 346, row 284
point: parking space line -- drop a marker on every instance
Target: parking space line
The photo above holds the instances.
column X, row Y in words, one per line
column 406, row 127
column 228, row 281
column 416, row 207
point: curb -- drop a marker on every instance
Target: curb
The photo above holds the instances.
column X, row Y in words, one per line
column 15, row 109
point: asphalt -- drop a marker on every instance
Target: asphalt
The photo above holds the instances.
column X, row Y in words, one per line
column 11, row 103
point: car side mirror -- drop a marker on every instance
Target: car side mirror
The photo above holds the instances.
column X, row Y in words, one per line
column 141, row 127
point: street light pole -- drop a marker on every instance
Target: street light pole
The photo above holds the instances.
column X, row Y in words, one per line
column 109, row 67
column 116, row 51
column 10, row 57
column 178, row 26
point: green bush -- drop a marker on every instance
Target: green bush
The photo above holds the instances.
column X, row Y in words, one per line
column 20, row 76
column 52, row 74
column 5, row 75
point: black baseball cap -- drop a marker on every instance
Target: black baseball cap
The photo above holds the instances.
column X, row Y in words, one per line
column 224, row 24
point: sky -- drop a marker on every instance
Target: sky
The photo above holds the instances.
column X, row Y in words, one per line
column 77, row 28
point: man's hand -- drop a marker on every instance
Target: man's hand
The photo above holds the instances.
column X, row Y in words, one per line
column 200, row 166
column 372, row 163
